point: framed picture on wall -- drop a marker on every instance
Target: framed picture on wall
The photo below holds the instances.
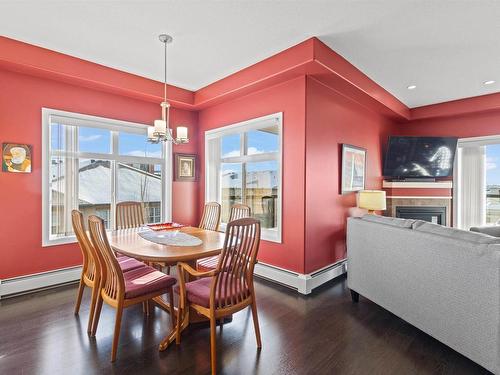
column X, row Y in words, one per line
column 16, row 158
column 185, row 167
column 353, row 168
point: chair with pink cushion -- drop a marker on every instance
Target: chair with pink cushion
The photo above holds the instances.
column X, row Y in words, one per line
column 91, row 270
column 129, row 215
column 123, row 289
column 227, row 289
column 238, row 211
column 210, row 218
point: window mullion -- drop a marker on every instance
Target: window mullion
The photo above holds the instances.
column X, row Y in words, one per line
column 114, row 178
column 244, row 140
column 70, row 177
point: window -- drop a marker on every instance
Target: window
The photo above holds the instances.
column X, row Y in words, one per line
column 154, row 214
column 243, row 165
column 492, row 161
column 477, row 182
column 92, row 163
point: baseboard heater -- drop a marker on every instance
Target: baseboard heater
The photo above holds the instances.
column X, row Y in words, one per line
column 30, row 283
column 303, row 283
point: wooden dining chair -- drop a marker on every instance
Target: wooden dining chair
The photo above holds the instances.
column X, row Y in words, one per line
column 91, row 270
column 210, row 219
column 91, row 274
column 227, row 289
column 238, row 211
column 123, row 289
column 129, row 215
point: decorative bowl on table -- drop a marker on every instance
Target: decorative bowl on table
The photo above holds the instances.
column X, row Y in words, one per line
column 165, row 226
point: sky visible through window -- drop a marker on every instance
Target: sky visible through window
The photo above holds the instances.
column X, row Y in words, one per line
column 258, row 142
column 137, row 145
column 493, row 165
column 99, row 141
column 94, row 140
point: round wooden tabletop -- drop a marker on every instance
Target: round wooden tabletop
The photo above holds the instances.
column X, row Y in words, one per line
column 128, row 242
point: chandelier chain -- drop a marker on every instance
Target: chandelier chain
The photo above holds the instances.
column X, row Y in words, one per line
column 165, row 74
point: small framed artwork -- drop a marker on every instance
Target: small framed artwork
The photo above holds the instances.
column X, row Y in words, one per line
column 185, row 167
column 353, row 168
column 16, row 158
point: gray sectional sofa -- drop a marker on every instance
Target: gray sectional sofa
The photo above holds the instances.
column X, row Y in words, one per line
column 443, row 281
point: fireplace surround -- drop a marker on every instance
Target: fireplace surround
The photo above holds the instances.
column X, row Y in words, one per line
column 432, row 214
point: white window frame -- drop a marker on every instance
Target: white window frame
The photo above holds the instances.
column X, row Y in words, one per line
column 114, row 126
column 213, row 162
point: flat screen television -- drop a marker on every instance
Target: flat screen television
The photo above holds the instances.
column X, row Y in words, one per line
column 420, row 157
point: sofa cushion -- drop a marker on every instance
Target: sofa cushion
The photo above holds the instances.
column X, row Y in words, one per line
column 457, row 234
column 393, row 221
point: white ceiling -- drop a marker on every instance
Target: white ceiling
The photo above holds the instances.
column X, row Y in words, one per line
column 446, row 48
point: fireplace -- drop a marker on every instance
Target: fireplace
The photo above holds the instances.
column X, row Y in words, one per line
column 436, row 215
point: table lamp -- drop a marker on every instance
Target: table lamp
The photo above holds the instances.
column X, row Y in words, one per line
column 372, row 200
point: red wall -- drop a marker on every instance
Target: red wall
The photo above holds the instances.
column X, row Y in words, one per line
column 470, row 125
column 332, row 120
column 289, row 98
column 21, row 100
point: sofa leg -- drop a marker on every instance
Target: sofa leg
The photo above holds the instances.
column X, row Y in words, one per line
column 354, row 296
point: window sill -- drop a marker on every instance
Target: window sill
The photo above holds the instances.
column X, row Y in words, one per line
column 59, row 241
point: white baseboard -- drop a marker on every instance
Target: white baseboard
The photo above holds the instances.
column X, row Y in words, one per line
column 303, row 283
column 28, row 283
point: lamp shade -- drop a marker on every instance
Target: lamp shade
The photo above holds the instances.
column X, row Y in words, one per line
column 160, row 127
column 182, row 133
column 372, row 200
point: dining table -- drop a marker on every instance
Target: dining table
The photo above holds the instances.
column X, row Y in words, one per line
column 135, row 243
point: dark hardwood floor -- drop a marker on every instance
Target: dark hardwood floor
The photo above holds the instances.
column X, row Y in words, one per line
column 323, row 333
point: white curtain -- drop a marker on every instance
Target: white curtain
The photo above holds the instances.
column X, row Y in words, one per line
column 471, row 189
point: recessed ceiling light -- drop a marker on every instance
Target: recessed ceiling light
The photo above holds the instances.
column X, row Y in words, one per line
column 490, row 82
column 412, row 87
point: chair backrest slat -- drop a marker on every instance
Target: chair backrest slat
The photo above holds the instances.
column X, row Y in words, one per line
column 114, row 285
column 239, row 211
column 233, row 282
column 129, row 215
column 211, row 216
column 90, row 263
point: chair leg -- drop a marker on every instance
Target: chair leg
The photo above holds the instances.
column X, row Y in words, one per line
column 97, row 314
column 213, row 348
column 180, row 318
column 256, row 324
column 92, row 308
column 81, row 286
column 116, row 336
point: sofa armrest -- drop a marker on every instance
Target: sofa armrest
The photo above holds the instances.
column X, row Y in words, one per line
column 492, row 230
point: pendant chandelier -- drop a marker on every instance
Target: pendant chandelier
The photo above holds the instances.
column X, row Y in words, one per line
column 161, row 131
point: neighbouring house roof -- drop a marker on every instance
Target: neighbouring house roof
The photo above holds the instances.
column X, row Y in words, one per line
column 94, row 187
